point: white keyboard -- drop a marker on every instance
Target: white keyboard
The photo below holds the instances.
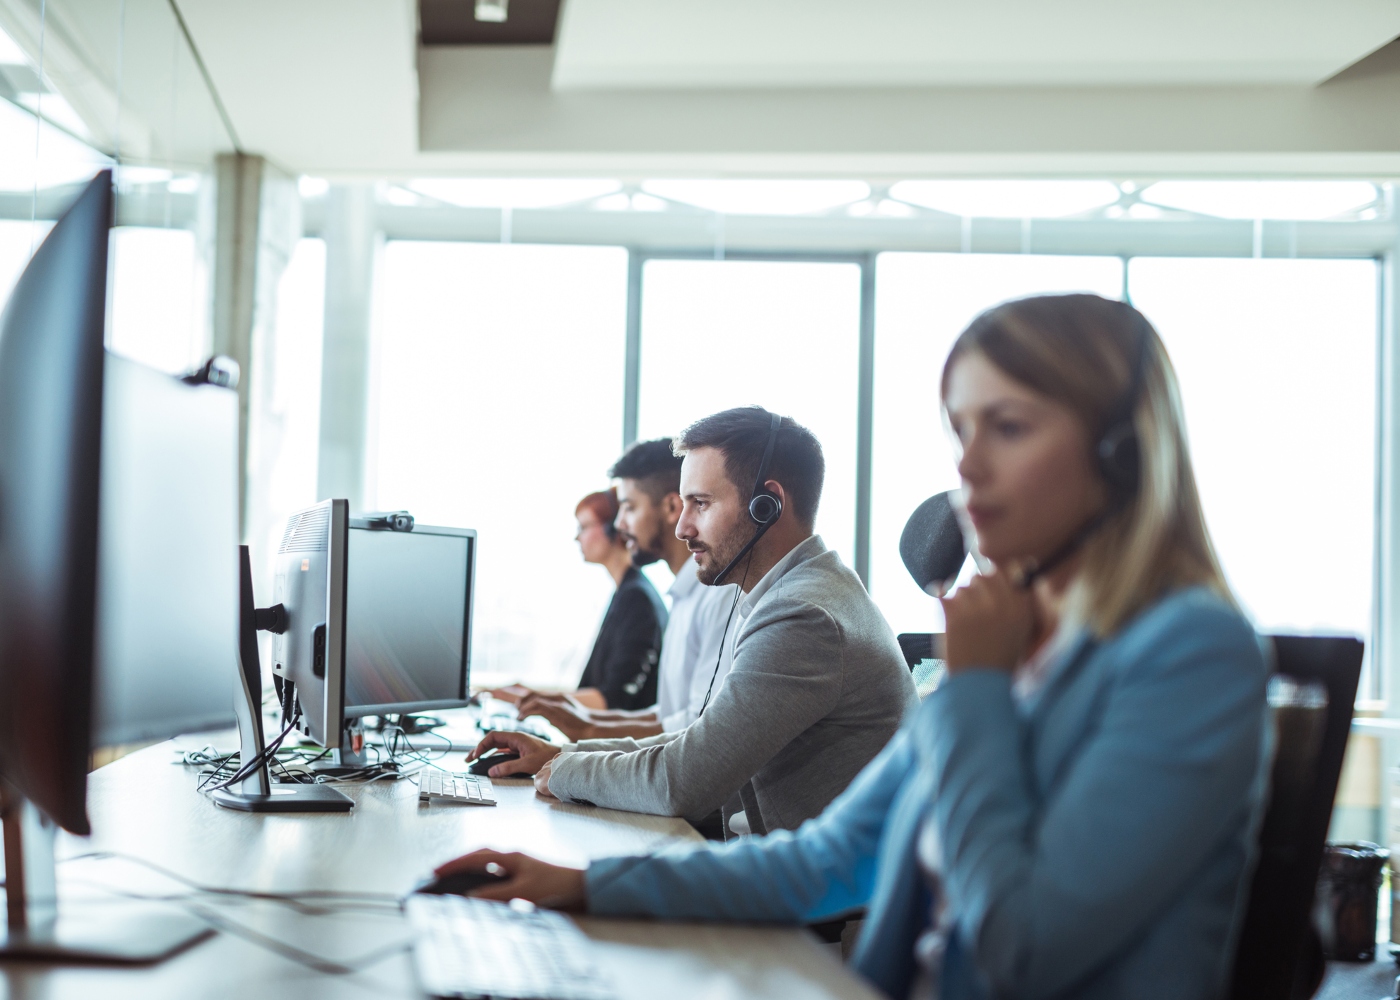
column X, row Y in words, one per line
column 447, row 787
column 475, row 948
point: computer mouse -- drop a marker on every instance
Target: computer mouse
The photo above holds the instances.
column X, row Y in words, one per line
column 483, row 764
column 456, row 883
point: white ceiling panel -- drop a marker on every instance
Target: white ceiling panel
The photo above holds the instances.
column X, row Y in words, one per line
column 882, row 43
column 315, row 83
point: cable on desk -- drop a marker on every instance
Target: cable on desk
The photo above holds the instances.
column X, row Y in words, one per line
column 292, row 952
column 293, row 899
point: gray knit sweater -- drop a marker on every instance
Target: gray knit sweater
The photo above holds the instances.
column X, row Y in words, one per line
column 817, row 688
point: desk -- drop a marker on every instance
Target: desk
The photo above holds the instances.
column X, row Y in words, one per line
column 145, row 805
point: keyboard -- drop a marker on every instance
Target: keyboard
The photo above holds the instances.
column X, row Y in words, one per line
column 475, row 948
column 447, row 787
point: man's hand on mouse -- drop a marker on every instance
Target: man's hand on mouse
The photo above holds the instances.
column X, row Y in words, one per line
column 534, row 753
column 526, row 878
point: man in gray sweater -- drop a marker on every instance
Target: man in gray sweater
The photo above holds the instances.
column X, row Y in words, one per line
column 818, row 684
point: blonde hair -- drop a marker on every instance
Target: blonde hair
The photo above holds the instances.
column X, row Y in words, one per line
column 1082, row 351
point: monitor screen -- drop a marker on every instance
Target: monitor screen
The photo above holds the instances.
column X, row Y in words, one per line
column 407, row 619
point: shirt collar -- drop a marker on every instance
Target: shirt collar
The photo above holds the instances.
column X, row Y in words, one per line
column 685, row 582
column 799, row 553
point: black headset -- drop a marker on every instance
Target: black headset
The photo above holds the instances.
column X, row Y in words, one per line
column 1118, row 454
column 765, row 507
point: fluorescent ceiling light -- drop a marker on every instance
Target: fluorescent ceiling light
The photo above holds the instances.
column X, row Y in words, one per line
column 312, row 187
column 1263, row 199
column 492, row 10
column 1008, row 199
column 761, row 197
column 512, row 192
column 885, row 207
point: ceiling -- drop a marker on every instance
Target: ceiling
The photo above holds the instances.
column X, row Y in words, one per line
column 342, row 87
column 883, row 43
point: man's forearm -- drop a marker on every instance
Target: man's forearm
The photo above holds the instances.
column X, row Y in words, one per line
column 623, row 715
column 609, row 729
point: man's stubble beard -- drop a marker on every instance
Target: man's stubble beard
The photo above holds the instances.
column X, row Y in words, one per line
column 723, row 555
column 645, row 555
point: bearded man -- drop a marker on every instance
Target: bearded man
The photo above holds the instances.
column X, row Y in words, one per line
column 818, row 684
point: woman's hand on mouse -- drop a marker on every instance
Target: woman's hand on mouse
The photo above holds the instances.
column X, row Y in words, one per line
column 526, row 878
column 989, row 624
column 534, row 753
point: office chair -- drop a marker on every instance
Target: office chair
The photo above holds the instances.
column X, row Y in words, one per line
column 918, row 646
column 1279, row 956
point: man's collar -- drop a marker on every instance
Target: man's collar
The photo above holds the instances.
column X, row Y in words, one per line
column 685, row 582
column 801, row 552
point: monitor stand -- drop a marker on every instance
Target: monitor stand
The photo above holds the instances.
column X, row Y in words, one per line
column 118, row 931
column 257, row 793
column 345, row 761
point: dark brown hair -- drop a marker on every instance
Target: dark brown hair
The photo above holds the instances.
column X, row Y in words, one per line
column 741, row 434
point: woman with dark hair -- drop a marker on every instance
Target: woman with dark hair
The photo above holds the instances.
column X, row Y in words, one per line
column 1072, row 812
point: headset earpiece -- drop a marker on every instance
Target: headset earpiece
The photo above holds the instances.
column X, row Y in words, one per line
column 765, row 508
column 1118, row 452
column 1119, row 458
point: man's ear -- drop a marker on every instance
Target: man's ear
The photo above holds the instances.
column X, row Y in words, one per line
column 776, row 488
column 671, row 506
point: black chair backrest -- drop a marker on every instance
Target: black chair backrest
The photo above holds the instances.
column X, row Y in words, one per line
column 918, row 646
column 1312, row 697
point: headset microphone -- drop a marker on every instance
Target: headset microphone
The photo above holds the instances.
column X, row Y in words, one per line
column 765, row 507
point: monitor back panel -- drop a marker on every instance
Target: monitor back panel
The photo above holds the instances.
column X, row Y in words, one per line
column 167, row 592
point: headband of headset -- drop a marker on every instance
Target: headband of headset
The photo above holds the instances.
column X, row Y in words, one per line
column 765, row 507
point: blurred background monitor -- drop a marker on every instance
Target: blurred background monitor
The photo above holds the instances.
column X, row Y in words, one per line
column 408, row 619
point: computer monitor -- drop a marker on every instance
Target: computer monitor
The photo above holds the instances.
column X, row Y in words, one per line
column 408, row 619
column 118, row 579
column 378, row 620
column 309, row 583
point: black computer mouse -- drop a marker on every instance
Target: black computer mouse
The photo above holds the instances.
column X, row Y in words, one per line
column 483, row 764
column 456, row 883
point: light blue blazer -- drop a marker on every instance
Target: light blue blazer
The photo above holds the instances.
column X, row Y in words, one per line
column 1097, row 836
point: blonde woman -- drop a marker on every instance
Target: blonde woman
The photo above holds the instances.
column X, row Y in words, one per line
column 1071, row 813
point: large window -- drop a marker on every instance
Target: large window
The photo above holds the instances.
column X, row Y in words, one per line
column 1277, row 363
column 782, row 334
column 923, row 301
column 499, row 380
column 158, row 298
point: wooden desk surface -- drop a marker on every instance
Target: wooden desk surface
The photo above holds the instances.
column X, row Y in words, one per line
column 145, row 805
